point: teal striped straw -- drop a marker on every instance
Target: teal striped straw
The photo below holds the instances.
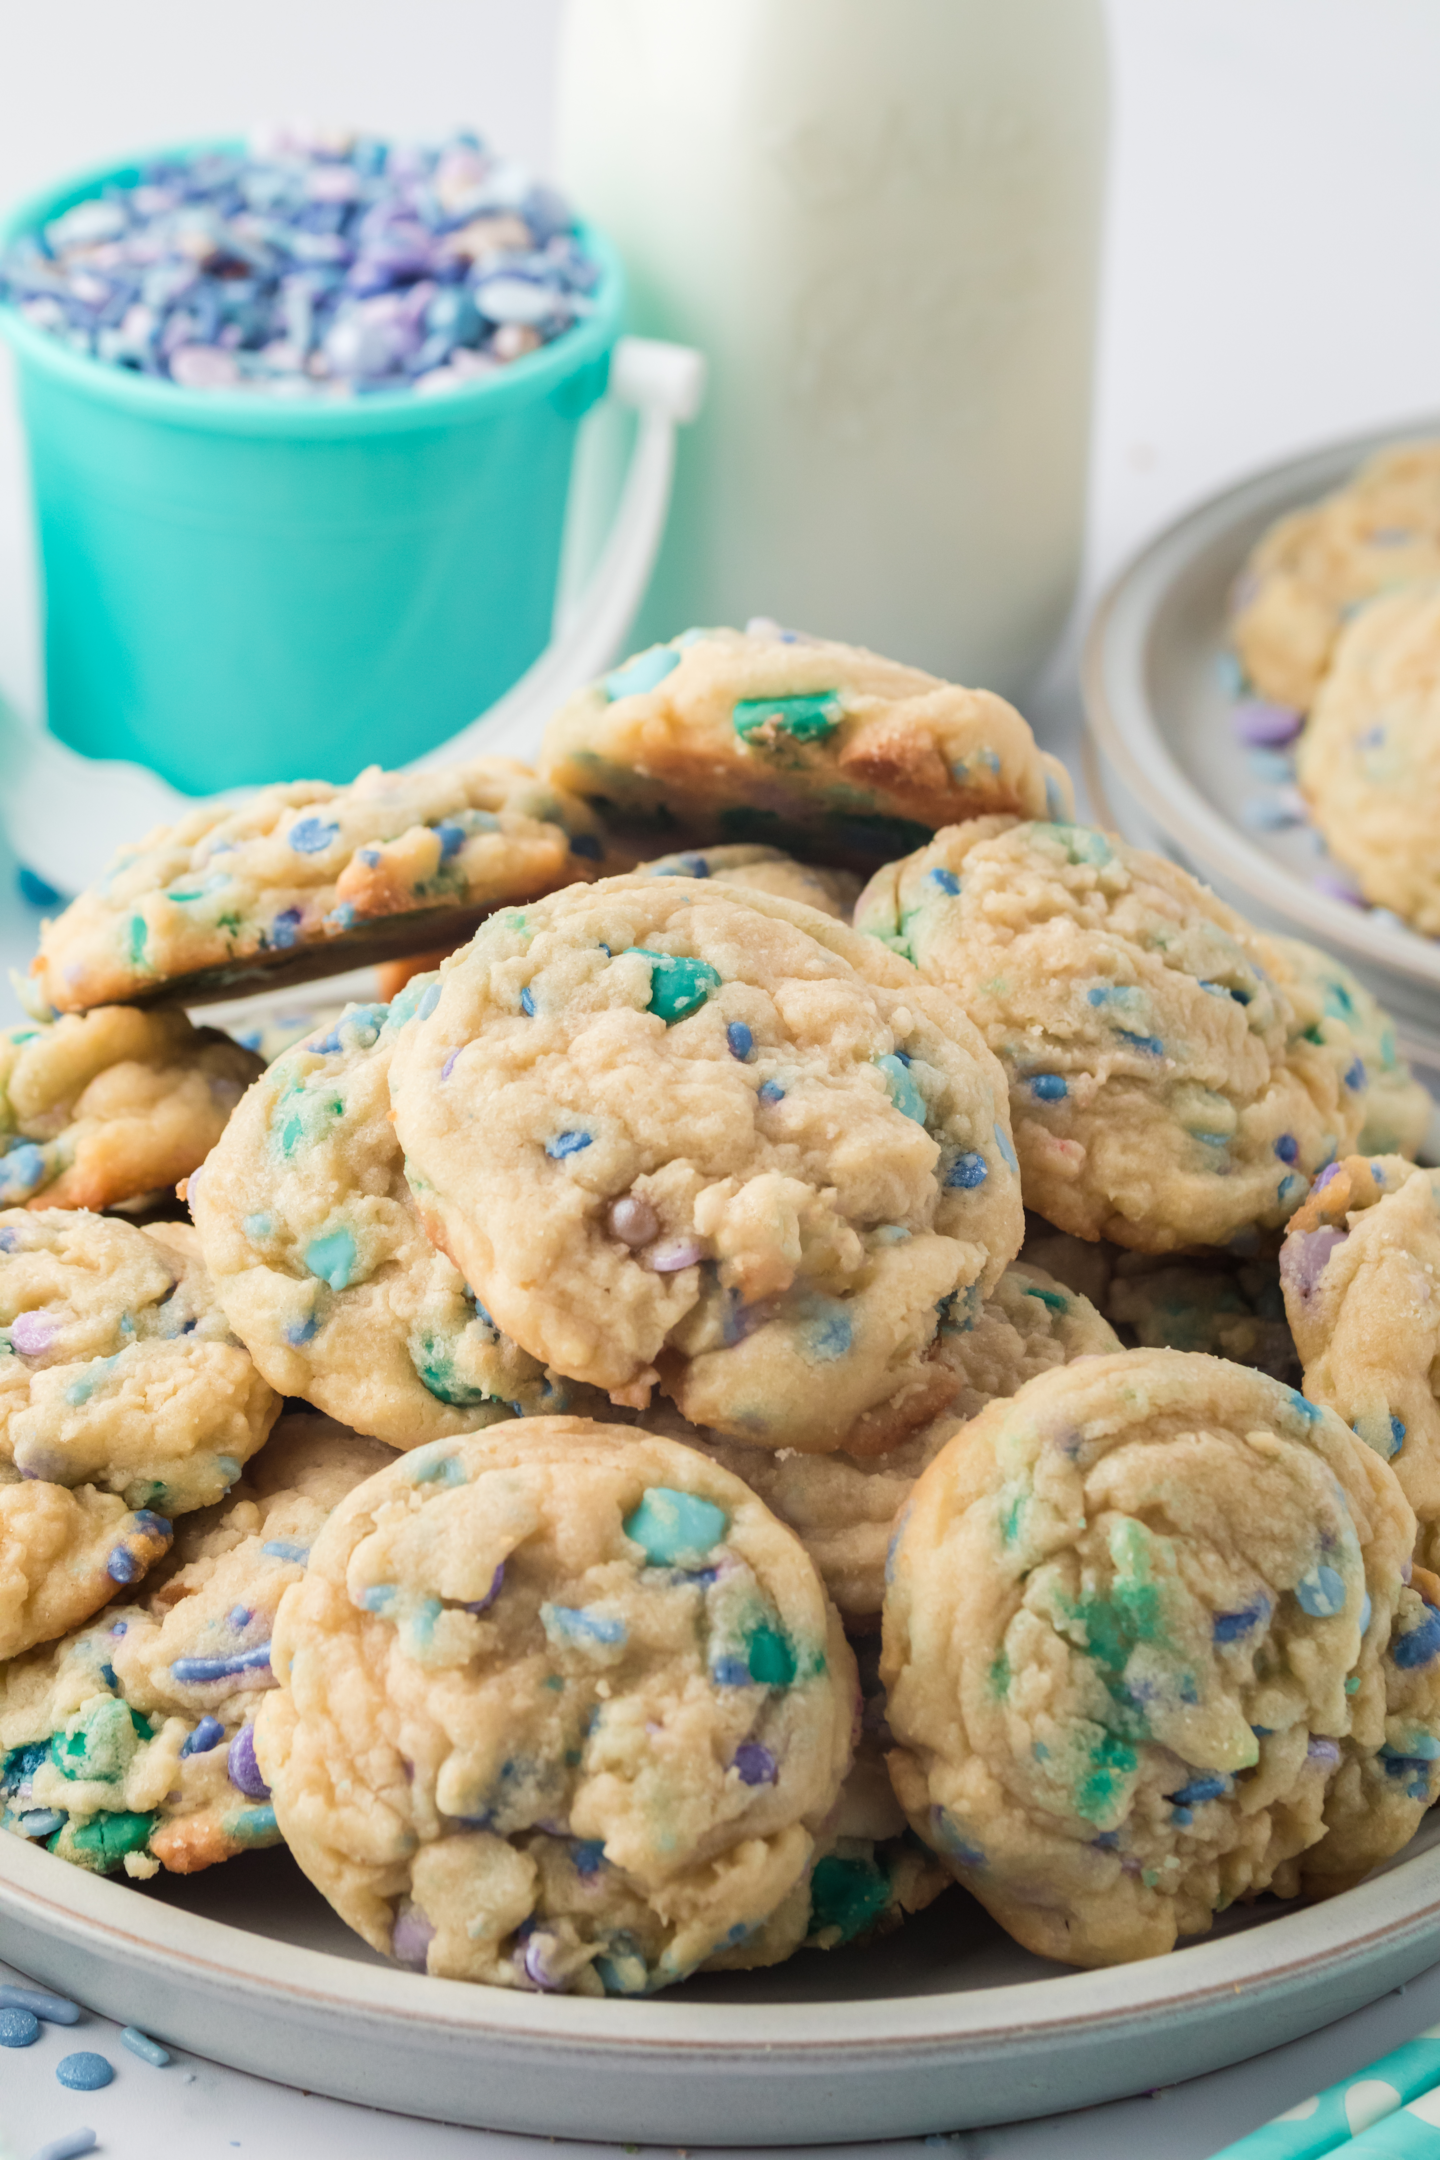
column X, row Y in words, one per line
column 1343, row 2114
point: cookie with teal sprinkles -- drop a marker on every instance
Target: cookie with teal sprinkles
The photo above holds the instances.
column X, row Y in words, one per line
column 685, row 1134
column 796, row 742
column 1152, row 1644
column 764, row 869
column 129, row 1743
column 1163, row 1089
column 318, row 1257
column 1361, row 1274
column 1350, row 1026
column 306, row 879
column 562, row 1707
column 117, row 1366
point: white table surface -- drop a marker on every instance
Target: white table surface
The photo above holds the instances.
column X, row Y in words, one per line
column 1270, row 283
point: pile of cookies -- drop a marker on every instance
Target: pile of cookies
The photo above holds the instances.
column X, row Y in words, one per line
column 765, row 1381
column 1337, row 628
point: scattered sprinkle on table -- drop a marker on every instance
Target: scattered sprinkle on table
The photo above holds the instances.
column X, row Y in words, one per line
column 18, row 2028
column 70, row 2147
column 54, row 2009
column 141, row 2044
column 84, row 2072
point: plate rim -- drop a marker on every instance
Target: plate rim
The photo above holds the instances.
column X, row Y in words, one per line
column 1117, row 704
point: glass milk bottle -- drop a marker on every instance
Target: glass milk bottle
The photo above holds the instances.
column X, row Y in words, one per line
column 881, row 221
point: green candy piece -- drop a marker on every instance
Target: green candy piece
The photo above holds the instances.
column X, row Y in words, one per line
column 846, row 1894
column 770, row 1658
column 333, row 1258
column 906, row 1097
column 102, row 1843
column 679, row 986
column 98, row 1742
column 803, row 719
column 672, row 1526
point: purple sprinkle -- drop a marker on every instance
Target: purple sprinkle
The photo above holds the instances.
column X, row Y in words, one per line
column 411, row 1938
column 1270, row 813
column 673, row 1254
column 449, row 1065
column 538, row 1950
column 245, row 1772
column 755, row 1764
column 238, row 1617
column 1304, row 1256
column 483, row 1604
column 1324, row 1753
column 1262, row 725
column 32, row 1333
column 1324, row 1176
column 1336, row 887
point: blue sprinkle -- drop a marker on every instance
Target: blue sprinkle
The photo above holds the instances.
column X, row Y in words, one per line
column 588, row 846
column 18, row 2028
column 1230, row 1626
column 1049, row 1087
column 1199, row 1790
column 141, row 2044
column 1397, row 1436
column 1054, row 800
column 1112, row 994
column 41, row 1822
column 379, row 1598
column 313, row 835
column 22, row 1169
column 577, row 1623
column 904, row 1094
column 123, row 1567
column 1420, row 1645
column 527, row 1002
column 1150, row 1044
column 300, row 1332
column 828, row 1334
column 731, row 1672
column 333, row 1258
column 428, row 1002
column 945, row 880
column 151, row 1524
column 207, row 1735
column 566, row 1143
column 588, row 1855
column 967, row 1171
column 1007, row 1153
column 1303, row 1407
column 770, row 1091
column 1321, row 1593
column 195, row 1671
column 54, row 2009
column 1287, row 1147
column 1355, row 1076
column 643, row 673
column 84, row 2072
column 286, row 1549
column 257, row 1228
column 286, row 928
column 451, row 838
column 1288, row 1187
column 740, row 1040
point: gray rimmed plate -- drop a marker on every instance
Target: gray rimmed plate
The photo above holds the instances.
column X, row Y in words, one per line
column 1171, row 766
column 945, row 2025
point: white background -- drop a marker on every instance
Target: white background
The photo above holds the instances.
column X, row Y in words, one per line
column 1272, row 280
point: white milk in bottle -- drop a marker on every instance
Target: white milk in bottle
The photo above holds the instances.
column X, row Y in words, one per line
column 880, row 219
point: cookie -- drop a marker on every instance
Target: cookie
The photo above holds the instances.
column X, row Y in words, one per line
column 1218, row 1303
column 1162, row 1091
column 675, row 1132
column 1147, row 1638
column 113, row 1106
column 63, row 1553
column 562, row 1707
column 764, row 869
column 307, row 879
column 1362, row 1292
column 1369, row 761
column 131, row 1742
column 316, row 1251
column 1313, row 568
column 824, row 749
column 842, row 1507
column 1340, row 1016
column 117, row 1368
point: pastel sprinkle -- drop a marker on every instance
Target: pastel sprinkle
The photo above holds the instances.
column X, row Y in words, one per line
column 244, row 1771
column 967, row 1171
column 84, row 2072
column 18, row 2028
column 141, row 2044
column 54, row 2009
column 207, row 1734
column 904, row 1094
column 195, row 1671
column 1321, row 1592
column 69, row 2147
column 1262, row 725
column 312, row 835
column 1049, row 1087
column 679, row 985
column 756, row 1764
column 739, row 1040
column 802, row 718
column 670, row 1526
column 1007, row 1153
column 645, row 672
column 566, row 1143
column 333, row 1258
column 944, row 881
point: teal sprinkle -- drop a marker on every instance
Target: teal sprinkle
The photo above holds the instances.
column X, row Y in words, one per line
column 679, row 985
column 903, row 1092
column 252, row 1824
column 257, row 1228
column 644, row 672
column 803, row 719
column 333, row 1258
column 1053, row 1300
column 1112, row 1761
column 770, row 1658
column 427, row 1466
column 138, row 935
column 671, row 1526
column 80, row 1391
column 1007, row 1153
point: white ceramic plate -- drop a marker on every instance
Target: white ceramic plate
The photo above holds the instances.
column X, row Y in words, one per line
column 1160, row 712
column 943, row 2026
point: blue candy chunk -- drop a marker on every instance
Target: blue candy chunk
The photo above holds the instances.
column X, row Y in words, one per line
column 1321, row 1592
column 527, row 1006
column 967, row 1171
column 1355, row 1075
column 566, row 1143
column 1227, row 1627
column 739, row 1040
column 451, row 838
column 207, row 1735
column 670, row 1526
column 333, row 1258
column 286, row 1549
column 679, row 985
column 1049, row 1087
column 645, row 672
column 286, row 928
column 581, row 1624
column 1287, row 1147
column 123, row 1566
column 904, row 1094
column 1420, row 1645
column 299, row 1332
column 22, row 1172
column 731, row 1672
column 770, row 1091
column 312, row 835
column 1199, row 1790
column 944, row 881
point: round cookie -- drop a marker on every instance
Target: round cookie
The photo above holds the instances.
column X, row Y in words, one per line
column 562, row 1706
column 1338, row 1014
column 825, row 749
column 1359, row 1269
column 1161, row 1089
column 318, row 1257
column 1218, row 1303
column 131, row 1741
column 1149, row 1648
column 306, row 879
column 1369, row 761
column 707, row 1137
column 1311, row 569
column 112, row 1107
column 764, row 869
column 842, row 1507
column 117, row 1368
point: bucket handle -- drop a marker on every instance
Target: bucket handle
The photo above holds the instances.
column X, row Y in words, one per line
column 67, row 814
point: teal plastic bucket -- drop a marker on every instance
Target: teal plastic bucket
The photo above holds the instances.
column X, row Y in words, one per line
column 239, row 588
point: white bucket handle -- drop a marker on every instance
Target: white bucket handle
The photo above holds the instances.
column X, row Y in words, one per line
column 66, row 814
